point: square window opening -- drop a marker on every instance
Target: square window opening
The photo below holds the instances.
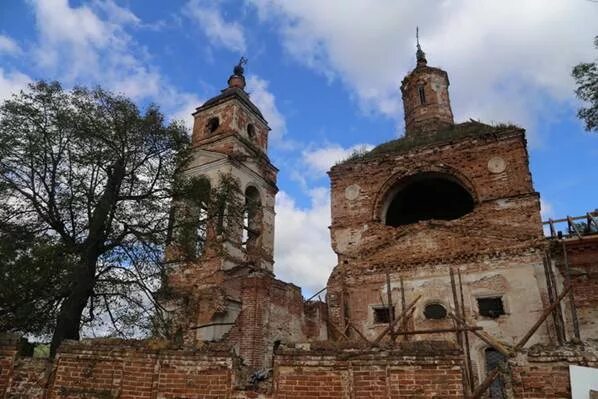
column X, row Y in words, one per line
column 491, row 307
column 381, row 314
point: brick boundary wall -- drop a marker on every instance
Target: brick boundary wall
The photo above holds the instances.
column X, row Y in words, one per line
column 421, row 370
column 106, row 369
column 9, row 350
column 544, row 372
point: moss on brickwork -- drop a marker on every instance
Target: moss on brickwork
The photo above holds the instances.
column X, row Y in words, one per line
column 454, row 133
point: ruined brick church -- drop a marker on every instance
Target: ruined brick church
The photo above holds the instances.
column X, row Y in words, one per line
column 446, row 285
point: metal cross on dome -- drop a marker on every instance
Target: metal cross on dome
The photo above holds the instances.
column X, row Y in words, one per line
column 239, row 70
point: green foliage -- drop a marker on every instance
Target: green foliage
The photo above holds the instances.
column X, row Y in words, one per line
column 202, row 210
column 358, row 153
column 34, row 273
column 458, row 131
column 41, row 350
column 586, row 79
column 86, row 187
column 584, row 228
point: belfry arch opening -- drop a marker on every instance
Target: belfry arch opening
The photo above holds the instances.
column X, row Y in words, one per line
column 427, row 196
column 252, row 218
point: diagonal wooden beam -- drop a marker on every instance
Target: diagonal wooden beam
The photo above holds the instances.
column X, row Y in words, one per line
column 338, row 330
column 363, row 337
column 479, row 391
column 484, row 385
column 573, row 227
column 395, row 322
column 487, row 338
column 541, row 320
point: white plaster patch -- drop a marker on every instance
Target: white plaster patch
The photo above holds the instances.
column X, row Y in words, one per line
column 497, row 164
column 352, row 192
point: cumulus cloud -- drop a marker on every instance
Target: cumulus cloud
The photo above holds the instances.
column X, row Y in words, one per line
column 320, row 160
column 12, row 82
column 263, row 98
column 504, row 58
column 189, row 102
column 221, row 33
column 75, row 32
column 89, row 44
column 302, row 250
column 9, row 46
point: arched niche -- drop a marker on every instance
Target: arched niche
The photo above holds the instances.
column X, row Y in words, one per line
column 424, row 196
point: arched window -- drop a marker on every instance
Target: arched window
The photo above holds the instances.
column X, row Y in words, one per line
column 252, row 218
column 422, row 94
column 202, row 231
column 212, row 125
column 493, row 359
column 251, row 132
column 435, row 311
column 200, row 214
column 427, row 196
column 189, row 217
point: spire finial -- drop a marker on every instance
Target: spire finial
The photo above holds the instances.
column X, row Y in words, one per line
column 237, row 80
column 238, row 69
column 419, row 54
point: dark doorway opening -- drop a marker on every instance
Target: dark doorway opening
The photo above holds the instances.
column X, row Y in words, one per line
column 495, row 359
column 426, row 197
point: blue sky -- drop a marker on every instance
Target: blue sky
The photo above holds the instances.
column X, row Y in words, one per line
column 326, row 74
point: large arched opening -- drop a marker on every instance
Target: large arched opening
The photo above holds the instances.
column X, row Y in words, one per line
column 427, row 196
column 252, row 218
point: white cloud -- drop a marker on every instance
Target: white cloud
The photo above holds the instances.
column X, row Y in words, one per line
column 546, row 212
column 302, row 250
column 89, row 44
column 11, row 83
column 9, row 46
column 504, row 58
column 220, row 32
column 320, row 160
column 117, row 14
column 76, row 33
column 266, row 102
column 189, row 102
column 546, row 209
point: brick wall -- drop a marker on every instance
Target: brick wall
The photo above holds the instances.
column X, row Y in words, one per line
column 423, row 370
column 130, row 372
column 30, row 378
column 9, row 348
column 272, row 311
column 582, row 256
column 106, row 369
column 544, row 372
column 543, row 382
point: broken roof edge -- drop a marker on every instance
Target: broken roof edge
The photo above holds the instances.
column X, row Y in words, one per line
column 458, row 131
column 240, row 94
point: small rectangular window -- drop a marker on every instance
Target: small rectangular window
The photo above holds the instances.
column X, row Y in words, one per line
column 491, row 307
column 422, row 95
column 381, row 314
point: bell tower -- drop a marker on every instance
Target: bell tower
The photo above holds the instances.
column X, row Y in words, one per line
column 426, row 100
column 235, row 241
column 230, row 137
